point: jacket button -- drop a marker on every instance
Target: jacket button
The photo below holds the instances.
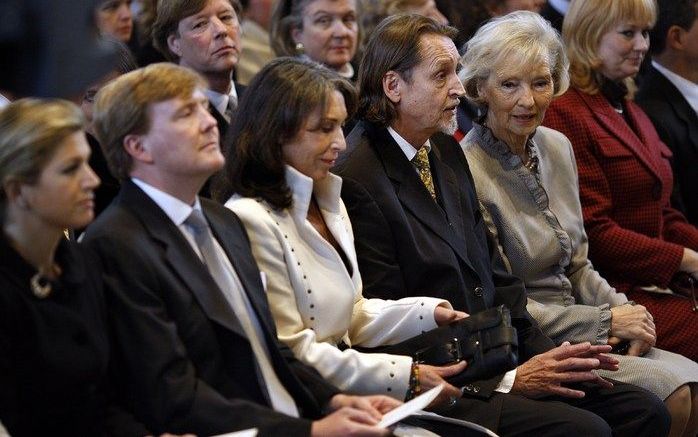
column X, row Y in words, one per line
column 657, row 191
column 479, row 291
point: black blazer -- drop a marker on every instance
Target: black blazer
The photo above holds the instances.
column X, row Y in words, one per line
column 677, row 125
column 54, row 352
column 408, row 245
column 184, row 362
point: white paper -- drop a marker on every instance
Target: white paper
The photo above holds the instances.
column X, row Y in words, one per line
column 404, row 430
column 428, row 415
column 252, row 432
column 410, row 407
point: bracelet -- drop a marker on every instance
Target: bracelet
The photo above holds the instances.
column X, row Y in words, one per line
column 415, row 387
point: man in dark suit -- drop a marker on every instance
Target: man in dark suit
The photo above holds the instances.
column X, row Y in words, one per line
column 204, row 35
column 669, row 95
column 195, row 344
column 418, row 231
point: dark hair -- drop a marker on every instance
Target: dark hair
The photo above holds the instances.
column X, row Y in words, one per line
column 680, row 13
column 273, row 109
column 393, row 46
column 168, row 15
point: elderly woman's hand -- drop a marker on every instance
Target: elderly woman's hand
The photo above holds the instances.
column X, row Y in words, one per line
column 633, row 322
column 544, row 374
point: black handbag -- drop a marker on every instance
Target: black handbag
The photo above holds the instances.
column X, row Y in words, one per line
column 486, row 340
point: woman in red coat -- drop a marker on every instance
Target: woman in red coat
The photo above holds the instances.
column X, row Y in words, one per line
column 636, row 240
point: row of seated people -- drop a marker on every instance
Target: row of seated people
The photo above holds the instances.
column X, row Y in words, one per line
column 290, row 175
column 330, row 32
column 210, row 57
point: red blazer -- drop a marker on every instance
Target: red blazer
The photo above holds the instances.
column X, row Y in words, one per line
column 625, row 181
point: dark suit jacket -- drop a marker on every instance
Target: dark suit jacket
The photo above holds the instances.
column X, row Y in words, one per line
column 677, row 125
column 407, row 245
column 625, row 182
column 184, row 362
column 223, row 126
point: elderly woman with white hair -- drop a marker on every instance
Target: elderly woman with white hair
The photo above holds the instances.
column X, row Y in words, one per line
column 526, row 180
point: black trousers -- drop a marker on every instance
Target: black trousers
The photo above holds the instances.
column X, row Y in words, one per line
column 623, row 410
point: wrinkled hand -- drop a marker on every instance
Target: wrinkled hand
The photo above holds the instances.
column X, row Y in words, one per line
column 444, row 316
column 630, row 322
column 545, row 373
column 375, row 405
column 347, row 421
column 431, row 376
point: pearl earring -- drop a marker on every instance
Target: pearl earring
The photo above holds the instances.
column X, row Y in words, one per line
column 300, row 48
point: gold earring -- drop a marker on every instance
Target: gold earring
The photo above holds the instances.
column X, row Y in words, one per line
column 300, row 48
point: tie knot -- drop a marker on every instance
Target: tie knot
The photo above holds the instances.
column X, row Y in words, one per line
column 421, row 159
column 196, row 221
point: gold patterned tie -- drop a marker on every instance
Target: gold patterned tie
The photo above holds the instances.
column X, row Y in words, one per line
column 421, row 161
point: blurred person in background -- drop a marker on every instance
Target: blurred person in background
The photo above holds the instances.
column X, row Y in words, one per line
column 326, row 31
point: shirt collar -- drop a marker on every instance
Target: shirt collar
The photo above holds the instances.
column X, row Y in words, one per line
column 220, row 101
column 688, row 89
column 406, row 147
column 175, row 209
column 327, row 192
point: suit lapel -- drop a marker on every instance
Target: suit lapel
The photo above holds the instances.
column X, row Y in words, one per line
column 181, row 257
column 238, row 252
column 614, row 123
column 678, row 102
column 448, row 190
column 413, row 194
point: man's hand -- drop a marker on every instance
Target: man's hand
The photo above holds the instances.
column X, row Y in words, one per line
column 431, row 376
column 633, row 322
column 544, row 374
column 375, row 405
column 348, row 421
column 444, row 316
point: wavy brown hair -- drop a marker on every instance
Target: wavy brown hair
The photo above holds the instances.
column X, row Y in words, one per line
column 273, row 110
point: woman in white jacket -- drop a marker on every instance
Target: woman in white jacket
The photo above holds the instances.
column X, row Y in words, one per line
column 286, row 137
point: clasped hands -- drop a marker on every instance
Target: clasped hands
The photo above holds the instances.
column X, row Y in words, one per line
column 634, row 324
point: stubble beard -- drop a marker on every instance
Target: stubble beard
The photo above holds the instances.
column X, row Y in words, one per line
column 450, row 126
